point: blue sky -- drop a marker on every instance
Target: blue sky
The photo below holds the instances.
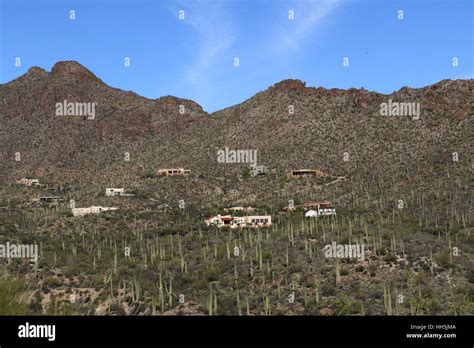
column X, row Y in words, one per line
column 194, row 58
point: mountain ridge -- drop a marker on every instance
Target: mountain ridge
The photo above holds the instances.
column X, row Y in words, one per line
column 71, row 69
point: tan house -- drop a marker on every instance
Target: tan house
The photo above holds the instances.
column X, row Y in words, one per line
column 90, row 210
column 239, row 221
column 301, row 173
column 173, row 171
column 218, row 220
column 253, row 221
column 28, row 182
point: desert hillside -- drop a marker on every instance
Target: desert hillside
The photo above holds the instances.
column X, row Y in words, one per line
column 370, row 162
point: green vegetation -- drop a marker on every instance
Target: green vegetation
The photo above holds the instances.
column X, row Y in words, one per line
column 146, row 259
column 13, row 295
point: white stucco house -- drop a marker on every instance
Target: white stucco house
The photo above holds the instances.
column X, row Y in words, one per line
column 239, row 221
column 114, row 191
column 320, row 212
column 257, row 170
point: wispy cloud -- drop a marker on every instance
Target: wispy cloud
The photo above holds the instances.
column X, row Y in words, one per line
column 308, row 15
column 215, row 29
column 285, row 37
column 214, row 34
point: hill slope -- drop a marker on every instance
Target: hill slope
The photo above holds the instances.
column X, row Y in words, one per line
column 323, row 128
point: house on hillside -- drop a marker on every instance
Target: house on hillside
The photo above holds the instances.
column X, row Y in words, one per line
column 114, row 191
column 234, row 209
column 256, row 170
column 301, row 173
column 28, row 182
column 173, row 172
column 218, row 220
column 320, row 212
column 309, row 205
column 50, row 200
column 239, row 221
column 90, row 210
column 257, row 221
column 59, row 188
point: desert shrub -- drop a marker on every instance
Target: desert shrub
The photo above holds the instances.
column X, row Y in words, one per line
column 346, row 306
column 470, row 276
column 296, row 267
column 328, row 289
column 442, row 259
column 390, row 257
column 52, row 282
column 372, row 269
column 420, row 306
column 12, row 297
column 246, row 173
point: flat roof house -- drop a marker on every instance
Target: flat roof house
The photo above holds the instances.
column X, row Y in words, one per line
column 114, row 191
column 239, row 221
column 218, row 220
column 258, row 170
column 90, row 210
column 173, row 171
column 28, row 182
column 310, row 205
column 50, row 200
column 239, row 209
column 300, row 173
column 258, row 221
column 320, row 212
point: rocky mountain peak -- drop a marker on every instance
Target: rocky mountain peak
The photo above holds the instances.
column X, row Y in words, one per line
column 73, row 70
column 36, row 72
column 290, row 84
